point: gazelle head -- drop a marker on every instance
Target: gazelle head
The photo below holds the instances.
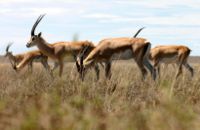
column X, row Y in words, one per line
column 8, row 53
column 79, row 62
column 35, row 39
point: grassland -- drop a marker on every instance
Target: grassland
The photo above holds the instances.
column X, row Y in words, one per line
column 35, row 101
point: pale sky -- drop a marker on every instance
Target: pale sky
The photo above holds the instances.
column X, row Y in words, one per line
column 166, row 21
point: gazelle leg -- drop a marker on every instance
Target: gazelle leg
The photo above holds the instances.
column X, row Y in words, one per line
column 156, row 67
column 56, row 64
column 141, row 58
column 189, row 68
column 61, row 67
column 182, row 60
column 142, row 69
column 22, row 63
column 96, row 67
column 150, row 68
column 101, row 64
column 83, row 72
column 30, row 66
column 158, row 70
column 179, row 70
column 45, row 64
column 108, row 69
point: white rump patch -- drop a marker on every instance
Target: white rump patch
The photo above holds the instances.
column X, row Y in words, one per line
column 147, row 41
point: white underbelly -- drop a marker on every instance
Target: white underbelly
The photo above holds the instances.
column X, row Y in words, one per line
column 127, row 54
column 167, row 60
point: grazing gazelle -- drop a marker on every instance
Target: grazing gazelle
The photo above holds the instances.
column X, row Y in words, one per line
column 85, row 52
column 171, row 54
column 57, row 51
column 19, row 61
column 137, row 48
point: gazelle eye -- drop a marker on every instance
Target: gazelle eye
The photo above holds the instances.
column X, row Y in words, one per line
column 33, row 38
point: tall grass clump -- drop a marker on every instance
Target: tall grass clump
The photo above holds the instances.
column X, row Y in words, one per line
column 30, row 101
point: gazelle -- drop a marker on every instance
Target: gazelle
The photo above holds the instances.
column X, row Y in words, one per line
column 171, row 54
column 85, row 52
column 19, row 61
column 83, row 55
column 57, row 51
column 137, row 48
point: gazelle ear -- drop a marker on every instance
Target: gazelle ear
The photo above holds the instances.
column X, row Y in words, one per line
column 40, row 34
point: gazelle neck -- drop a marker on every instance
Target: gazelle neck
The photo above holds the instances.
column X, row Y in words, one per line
column 45, row 47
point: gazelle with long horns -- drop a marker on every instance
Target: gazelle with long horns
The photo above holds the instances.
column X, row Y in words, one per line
column 19, row 61
column 137, row 48
column 169, row 54
column 57, row 51
column 83, row 55
column 14, row 59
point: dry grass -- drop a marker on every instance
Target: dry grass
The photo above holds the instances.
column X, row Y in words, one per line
column 30, row 101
